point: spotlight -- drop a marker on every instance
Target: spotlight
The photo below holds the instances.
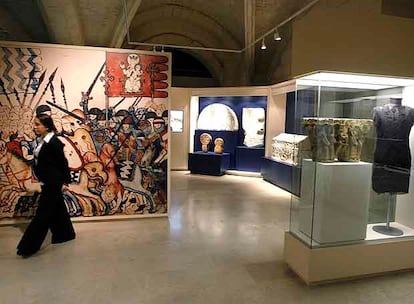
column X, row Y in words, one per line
column 276, row 36
column 263, row 47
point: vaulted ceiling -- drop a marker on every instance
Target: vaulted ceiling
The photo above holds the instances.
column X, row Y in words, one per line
column 229, row 24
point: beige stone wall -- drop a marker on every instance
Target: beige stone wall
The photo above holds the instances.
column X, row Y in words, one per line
column 180, row 100
column 352, row 36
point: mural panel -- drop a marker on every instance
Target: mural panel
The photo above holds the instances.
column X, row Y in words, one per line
column 110, row 108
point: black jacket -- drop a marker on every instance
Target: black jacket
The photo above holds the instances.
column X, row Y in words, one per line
column 52, row 166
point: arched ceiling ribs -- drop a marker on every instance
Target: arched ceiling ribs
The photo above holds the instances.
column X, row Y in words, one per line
column 187, row 17
column 183, row 27
column 121, row 28
column 192, row 41
column 63, row 20
column 10, row 28
column 181, row 9
column 210, row 60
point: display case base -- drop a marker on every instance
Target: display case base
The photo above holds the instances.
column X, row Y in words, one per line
column 209, row 163
column 366, row 259
column 249, row 159
column 283, row 175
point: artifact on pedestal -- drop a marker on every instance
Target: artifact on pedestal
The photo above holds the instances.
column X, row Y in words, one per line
column 358, row 131
column 218, row 145
column 288, row 148
column 321, row 133
column 205, row 140
column 337, row 138
column 253, row 123
column 342, row 139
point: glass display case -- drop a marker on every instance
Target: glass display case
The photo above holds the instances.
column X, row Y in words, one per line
column 357, row 184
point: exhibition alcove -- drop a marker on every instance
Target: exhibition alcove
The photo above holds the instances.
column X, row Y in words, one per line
column 237, row 124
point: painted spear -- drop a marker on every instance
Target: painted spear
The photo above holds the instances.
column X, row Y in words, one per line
column 81, row 119
column 51, row 77
column 119, row 102
column 52, row 91
column 86, row 95
column 41, row 78
column 17, row 96
column 31, row 75
column 62, row 87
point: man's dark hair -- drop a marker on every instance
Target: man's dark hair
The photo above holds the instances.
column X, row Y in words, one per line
column 47, row 121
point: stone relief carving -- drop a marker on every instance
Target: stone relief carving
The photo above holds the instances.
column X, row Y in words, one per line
column 339, row 139
column 287, row 148
column 219, row 117
column 253, row 123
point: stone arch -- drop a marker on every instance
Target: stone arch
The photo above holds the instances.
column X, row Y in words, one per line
column 187, row 21
column 210, row 60
column 179, row 25
column 10, row 28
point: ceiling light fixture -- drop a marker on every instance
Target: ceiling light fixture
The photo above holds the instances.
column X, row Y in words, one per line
column 276, row 36
column 246, row 47
column 263, row 47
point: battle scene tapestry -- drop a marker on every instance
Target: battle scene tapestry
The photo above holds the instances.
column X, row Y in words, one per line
column 111, row 111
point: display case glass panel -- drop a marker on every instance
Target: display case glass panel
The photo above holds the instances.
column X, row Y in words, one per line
column 357, row 185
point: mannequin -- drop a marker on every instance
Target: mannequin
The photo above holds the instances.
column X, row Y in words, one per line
column 392, row 159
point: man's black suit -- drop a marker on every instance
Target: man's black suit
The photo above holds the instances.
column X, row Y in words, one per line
column 51, row 169
column 52, row 166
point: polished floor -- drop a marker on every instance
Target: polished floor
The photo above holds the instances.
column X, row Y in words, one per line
column 223, row 243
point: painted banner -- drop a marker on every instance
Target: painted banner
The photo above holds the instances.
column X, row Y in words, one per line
column 110, row 109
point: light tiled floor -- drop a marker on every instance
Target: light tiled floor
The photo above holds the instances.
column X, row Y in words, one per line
column 223, row 243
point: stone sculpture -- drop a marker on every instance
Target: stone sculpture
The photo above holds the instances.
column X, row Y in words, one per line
column 219, row 145
column 205, row 140
column 337, row 138
column 321, row 133
column 253, row 123
column 288, row 148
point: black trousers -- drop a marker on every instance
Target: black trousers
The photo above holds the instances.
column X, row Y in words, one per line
column 51, row 214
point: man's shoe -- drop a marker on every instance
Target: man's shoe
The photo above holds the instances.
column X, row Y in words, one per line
column 25, row 255
column 58, row 241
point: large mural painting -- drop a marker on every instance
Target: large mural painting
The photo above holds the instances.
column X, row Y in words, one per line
column 110, row 108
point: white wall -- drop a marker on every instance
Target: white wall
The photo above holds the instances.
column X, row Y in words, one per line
column 180, row 100
column 405, row 203
column 276, row 117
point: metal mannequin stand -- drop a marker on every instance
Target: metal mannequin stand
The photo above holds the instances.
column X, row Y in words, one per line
column 387, row 229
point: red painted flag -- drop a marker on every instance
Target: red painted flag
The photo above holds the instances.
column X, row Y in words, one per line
column 133, row 75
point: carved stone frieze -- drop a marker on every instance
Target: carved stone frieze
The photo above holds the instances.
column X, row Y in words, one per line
column 338, row 139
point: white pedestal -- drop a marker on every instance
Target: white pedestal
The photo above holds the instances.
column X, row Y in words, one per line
column 365, row 259
column 334, row 200
column 404, row 212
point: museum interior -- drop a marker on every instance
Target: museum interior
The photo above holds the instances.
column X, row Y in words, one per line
column 266, row 143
